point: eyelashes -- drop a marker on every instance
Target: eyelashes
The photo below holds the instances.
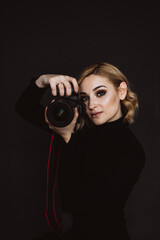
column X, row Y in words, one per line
column 99, row 93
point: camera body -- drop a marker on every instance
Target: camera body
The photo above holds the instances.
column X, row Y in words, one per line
column 60, row 112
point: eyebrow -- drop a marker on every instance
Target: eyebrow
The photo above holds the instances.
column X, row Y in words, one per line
column 95, row 88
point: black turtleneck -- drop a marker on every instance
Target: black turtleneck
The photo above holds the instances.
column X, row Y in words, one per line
column 98, row 169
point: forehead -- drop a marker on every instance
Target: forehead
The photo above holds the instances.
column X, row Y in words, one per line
column 93, row 81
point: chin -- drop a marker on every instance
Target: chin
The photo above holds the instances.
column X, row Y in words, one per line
column 98, row 122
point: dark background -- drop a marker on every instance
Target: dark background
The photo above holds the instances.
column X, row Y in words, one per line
column 64, row 38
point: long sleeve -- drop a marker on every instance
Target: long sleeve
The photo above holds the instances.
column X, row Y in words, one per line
column 69, row 173
column 29, row 108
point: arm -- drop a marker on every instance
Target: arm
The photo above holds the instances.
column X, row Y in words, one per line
column 69, row 171
column 28, row 105
column 29, row 108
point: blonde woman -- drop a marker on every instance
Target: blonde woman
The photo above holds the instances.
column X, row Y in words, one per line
column 92, row 175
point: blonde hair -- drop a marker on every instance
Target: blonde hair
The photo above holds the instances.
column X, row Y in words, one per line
column 130, row 104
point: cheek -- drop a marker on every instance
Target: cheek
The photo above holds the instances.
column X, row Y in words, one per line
column 111, row 101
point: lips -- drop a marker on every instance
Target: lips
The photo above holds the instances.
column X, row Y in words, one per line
column 97, row 114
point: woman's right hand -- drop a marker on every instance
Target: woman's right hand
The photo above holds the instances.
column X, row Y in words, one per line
column 62, row 81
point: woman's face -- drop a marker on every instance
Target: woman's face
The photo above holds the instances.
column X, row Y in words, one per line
column 101, row 98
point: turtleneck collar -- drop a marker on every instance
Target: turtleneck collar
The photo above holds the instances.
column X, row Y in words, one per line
column 110, row 127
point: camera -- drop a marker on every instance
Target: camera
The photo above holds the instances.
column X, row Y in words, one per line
column 60, row 112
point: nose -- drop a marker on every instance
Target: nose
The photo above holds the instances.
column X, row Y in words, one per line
column 91, row 104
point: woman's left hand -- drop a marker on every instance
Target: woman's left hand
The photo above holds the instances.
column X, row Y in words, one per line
column 66, row 131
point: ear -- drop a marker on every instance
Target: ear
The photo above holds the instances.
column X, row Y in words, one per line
column 122, row 90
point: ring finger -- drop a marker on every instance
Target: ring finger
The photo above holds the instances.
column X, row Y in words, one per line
column 61, row 89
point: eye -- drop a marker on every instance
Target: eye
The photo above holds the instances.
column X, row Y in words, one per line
column 83, row 98
column 101, row 93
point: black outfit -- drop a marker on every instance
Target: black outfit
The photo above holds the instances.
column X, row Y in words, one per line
column 97, row 170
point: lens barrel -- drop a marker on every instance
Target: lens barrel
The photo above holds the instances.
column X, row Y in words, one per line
column 60, row 113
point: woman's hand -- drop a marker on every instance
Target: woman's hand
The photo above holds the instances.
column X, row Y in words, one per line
column 67, row 131
column 62, row 81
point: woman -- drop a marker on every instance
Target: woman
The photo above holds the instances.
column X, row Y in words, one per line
column 99, row 162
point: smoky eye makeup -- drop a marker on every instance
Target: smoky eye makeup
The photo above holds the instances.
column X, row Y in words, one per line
column 101, row 93
column 97, row 91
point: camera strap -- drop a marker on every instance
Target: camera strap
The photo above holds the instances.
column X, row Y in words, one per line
column 53, row 208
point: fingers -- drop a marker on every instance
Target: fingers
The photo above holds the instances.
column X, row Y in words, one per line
column 53, row 83
column 61, row 89
column 64, row 85
column 74, row 82
column 45, row 115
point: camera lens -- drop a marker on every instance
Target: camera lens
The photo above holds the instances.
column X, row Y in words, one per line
column 59, row 114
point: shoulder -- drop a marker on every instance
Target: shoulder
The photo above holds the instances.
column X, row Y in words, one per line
column 132, row 140
column 133, row 147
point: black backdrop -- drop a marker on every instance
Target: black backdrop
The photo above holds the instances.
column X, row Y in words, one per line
column 64, row 38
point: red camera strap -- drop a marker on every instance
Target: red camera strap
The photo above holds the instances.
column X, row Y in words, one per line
column 53, row 214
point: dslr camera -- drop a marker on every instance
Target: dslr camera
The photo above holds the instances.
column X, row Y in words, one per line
column 60, row 112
